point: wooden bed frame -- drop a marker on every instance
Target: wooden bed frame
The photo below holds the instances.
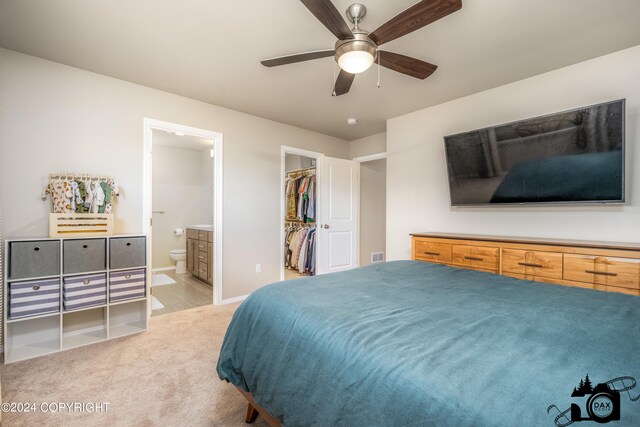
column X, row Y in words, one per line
column 253, row 410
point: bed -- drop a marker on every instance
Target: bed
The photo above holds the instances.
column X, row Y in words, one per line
column 410, row 343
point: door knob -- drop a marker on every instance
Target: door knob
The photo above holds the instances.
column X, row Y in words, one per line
column 326, row 226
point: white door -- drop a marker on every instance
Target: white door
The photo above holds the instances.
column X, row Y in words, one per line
column 338, row 187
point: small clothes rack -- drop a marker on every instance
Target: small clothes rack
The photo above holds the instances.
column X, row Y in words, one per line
column 81, row 193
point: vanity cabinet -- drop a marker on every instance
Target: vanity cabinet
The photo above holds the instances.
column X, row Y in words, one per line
column 200, row 254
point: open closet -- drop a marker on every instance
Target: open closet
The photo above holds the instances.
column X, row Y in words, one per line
column 300, row 195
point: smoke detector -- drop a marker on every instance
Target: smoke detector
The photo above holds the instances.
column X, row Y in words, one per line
column 352, row 121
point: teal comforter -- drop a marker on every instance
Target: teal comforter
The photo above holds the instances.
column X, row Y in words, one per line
column 417, row 344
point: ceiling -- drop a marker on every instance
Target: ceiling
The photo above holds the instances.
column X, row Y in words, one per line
column 184, row 142
column 210, row 50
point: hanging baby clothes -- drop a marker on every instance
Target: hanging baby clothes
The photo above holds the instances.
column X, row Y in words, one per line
column 98, row 197
column 81, row 206
column 61, row 195
column 113, row 193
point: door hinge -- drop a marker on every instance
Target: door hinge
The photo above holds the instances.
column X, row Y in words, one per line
column 150, row 222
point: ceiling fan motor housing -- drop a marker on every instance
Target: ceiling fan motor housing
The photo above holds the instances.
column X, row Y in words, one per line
column 360, row 42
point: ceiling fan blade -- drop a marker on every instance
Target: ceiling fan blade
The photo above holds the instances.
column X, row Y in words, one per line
column 406, row 65
column 327, row 13
column 297, row 57
column 414, row 18
column 343, row 83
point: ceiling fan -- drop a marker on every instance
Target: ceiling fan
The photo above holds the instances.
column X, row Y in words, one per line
column 357, row 49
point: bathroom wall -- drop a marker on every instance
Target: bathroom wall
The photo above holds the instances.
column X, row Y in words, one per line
column 183, row 190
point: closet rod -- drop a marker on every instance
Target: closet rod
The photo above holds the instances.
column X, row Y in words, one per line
column 302, row 170
column 79, row 176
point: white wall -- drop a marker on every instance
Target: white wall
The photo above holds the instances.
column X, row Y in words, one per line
column 373, row 177
column 54, row 117
column 417, row 189
column 368, row 145
column 182, row 189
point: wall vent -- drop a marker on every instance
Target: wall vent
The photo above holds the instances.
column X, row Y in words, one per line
column 377, row 257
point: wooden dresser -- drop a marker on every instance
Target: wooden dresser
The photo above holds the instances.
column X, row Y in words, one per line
column 607, row 266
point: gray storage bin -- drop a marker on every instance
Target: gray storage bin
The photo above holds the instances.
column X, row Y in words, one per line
column 38, row 258
column 80, row 256
column 127, row 252
column 127, row 284
column 33, row 298
column 84, row 291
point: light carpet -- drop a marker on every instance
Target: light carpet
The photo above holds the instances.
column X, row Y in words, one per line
column 161, row 279
column 163, row 377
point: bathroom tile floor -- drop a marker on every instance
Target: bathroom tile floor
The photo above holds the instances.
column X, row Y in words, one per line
column 186, row 293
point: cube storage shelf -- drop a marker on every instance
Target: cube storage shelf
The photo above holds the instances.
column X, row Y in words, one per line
column 58, row 293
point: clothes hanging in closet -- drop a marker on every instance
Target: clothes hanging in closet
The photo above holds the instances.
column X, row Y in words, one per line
column 300, row 196
column 300, row 249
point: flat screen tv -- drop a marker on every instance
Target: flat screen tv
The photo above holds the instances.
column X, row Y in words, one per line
column 571, row 157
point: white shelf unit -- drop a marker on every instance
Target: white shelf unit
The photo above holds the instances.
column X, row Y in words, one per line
column 38, row 335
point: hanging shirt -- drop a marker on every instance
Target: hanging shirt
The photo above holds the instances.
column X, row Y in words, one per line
column 98, row 197
column 61, row 195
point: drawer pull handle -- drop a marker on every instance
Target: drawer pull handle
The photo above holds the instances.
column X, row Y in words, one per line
column 37, row 248
column 128, row 243
column 85, row 246
column 86, row 281
column 473, row 258
column 36, row 287
column 602, row 273
column 201, row 257
column 530, row 264
column 432, row 253
column 127, row 276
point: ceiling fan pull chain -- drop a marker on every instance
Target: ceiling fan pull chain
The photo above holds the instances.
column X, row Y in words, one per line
column 333, row 93
column 378, row 70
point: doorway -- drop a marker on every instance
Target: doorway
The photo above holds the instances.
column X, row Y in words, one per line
column 182, row 202
column 373, row 206
column 333, row 224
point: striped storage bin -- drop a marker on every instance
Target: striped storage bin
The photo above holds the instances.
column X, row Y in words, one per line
column 84, row 291
column 33, row 298
column 130, row 284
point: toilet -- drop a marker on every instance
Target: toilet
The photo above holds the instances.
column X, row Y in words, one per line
column 180, row 257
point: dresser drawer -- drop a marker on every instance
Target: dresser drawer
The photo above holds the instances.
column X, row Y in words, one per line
column 608, row 271
column 84, row 291
column 532, row 263
column 478, row 257
column 86, row 255
column 202, row 246
column 34, row 298
column 431, row 251
column 127, row 252
column 128, row 284
column 203, row 235
column 34, row 259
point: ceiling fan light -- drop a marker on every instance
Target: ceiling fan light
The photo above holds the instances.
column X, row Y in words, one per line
column 356, row 61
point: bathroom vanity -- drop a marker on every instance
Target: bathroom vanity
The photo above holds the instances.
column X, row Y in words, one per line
column 200, row 252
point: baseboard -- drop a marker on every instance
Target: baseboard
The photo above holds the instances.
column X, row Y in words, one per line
column 233, row 300
column 155, row 270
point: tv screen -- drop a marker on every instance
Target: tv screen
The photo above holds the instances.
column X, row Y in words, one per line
column 575, row 156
